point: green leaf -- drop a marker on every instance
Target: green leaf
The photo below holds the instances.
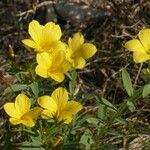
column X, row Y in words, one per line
column 127, row 82
column 122, row 121
column 16, row 88
column 131, row 106
column 106, row 103
column 87, row 140
column 29, row 146
column 34, row 88
column 146, row 90
column 35, row 144
column 92, row 120
column 108, row 147
column 102, row 112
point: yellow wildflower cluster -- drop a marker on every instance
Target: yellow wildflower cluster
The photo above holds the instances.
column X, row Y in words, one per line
column 55, row 106
column 55, row 57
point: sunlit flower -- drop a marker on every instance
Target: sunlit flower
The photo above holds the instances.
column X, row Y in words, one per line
column 140, row 47
column 52, row 65
column 57, row 105
column 49, row 105
column 79, row 51
column 44, row 37
column 20, row 112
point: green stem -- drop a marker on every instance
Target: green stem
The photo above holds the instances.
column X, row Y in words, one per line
column 72, row 83
column 122, row 110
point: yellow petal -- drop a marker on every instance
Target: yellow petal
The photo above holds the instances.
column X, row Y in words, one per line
column 67, row 119
column 87, row 50
column 35, row 31
column 140, row 57
column 53, row 30
column 28, row 119
column 70, row 109
column 11, row 110
column 79, row 63
column 29, row 122
column 29, row 43
column 57, row 59
column 135, row 46
column 44, row 59
column 22, row 103
column 56, row 46
column 47, row 102
column 59, row 77
column 33, row 113
column 59, row 64
column 15, row 121
column 144, row 36
column 66, row 65
column 46, row 114
column 42, row 71
column 60, row 95
column 75, row 42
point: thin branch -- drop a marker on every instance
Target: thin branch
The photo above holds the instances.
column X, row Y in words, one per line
column 35, row 8
column 137, row 76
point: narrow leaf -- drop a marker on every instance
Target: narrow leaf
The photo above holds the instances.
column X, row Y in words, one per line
column 34, row 88
column 92, row 120
column 131, row 106
column 86, row 139
column 127, row 82
column 106, row 103
column 146, row 90
column 15, row 88
column 102, row 111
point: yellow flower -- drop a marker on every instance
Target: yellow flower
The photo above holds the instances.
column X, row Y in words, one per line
column 49, row 105
column 57, row 105
column 52, row 65
column 140, row 47
column 20, row 112
column 79, row 51
column 44, row 38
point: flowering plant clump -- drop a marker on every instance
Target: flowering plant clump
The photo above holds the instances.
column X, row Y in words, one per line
column 54, row 117
column 54, row 59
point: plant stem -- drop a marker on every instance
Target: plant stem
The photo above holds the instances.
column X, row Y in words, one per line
column 72, row 83
column 121, row 110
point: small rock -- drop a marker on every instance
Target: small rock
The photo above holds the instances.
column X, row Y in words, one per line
column 79, row 14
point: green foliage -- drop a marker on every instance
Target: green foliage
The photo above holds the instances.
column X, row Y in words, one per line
column 146, row 90
column 127, row 82
column 86, row 140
